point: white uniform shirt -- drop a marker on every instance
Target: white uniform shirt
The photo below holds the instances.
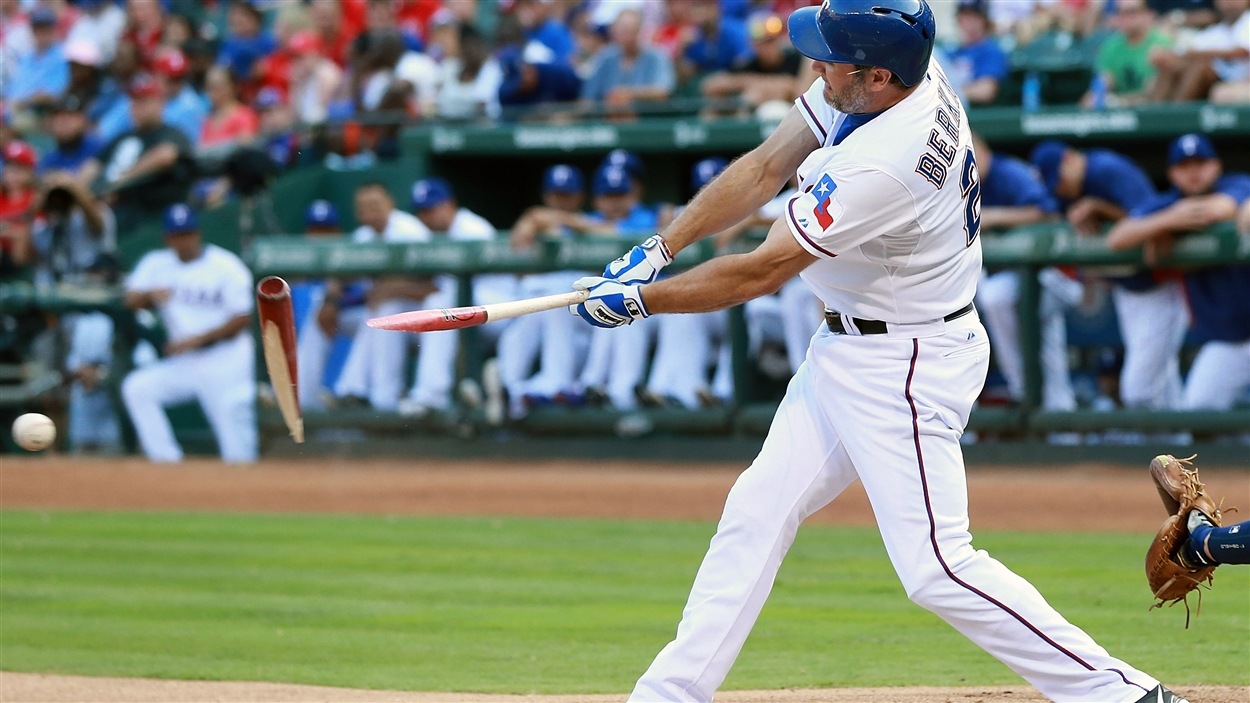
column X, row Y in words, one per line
column 400, row 227
column 205, row 293
column 893, row 210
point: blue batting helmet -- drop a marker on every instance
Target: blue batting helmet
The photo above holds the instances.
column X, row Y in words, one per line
column 896, row 35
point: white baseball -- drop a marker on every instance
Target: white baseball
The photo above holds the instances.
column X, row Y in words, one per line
column 34, row 432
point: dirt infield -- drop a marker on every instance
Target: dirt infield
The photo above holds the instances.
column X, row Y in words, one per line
column 1089, row 497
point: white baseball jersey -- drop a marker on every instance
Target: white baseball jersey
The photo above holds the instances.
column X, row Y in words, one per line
column 894, row 221
column 205, row 293
column 400, row 227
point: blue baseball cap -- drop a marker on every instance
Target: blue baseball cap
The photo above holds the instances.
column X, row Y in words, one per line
column 1046, row 158
column 1191, row 146
column 42, row 16
column 704, row 171
column 429, row 192
column 612, row 180
column 627, row 160
column 562, row 178
column 321, row 213
column 180, row 218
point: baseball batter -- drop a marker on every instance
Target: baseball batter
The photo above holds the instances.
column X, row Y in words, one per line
column 885, row 231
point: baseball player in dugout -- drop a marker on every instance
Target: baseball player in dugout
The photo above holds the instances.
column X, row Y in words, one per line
column 884, row 229
column 203, row 295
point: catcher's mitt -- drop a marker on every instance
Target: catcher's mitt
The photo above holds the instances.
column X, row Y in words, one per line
column 1171, row 579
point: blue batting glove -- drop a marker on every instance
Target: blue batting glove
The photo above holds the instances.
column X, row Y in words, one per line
column 611, row 303
column 640, row 264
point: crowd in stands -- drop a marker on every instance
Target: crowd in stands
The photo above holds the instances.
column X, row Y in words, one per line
column 117, row 114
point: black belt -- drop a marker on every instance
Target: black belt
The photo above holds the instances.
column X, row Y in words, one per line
column 834, row 320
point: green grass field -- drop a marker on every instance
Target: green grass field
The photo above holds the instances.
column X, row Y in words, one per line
column 529, row 605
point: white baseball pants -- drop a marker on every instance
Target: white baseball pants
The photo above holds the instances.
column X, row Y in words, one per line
column 1219, row 375
column 685, row 346
column 375, row 366
column 888, row 410
column 1152, row 325
column 222, row 378
column 312, row 349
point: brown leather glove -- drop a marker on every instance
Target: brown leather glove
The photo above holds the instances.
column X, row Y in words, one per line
column 1171, row 579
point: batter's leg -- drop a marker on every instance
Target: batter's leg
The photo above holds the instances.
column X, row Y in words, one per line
column 900, row 406
column 800, row 468
column 146, row 392
column 1219, row 376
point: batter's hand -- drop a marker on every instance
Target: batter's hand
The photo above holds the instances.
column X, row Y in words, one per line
column 640, row 264
column 611, row 303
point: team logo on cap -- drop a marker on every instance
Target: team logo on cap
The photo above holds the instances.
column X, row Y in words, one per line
column 824, row 195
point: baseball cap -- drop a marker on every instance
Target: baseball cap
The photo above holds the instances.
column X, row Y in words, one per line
column 83, row 52
column 180, row 218
column 321, row 213
column 1191, row 146
column 627, row 160
column 143, row 86
column 977, row 6
column 171, row 63
column 612, row 180
column 1046, row 158
column 429, row 192
column 42, row 16
column 20, row 153
column 562, row 178
column 705, row 171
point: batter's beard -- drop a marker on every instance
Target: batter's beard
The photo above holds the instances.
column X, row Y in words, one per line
column 853, row 99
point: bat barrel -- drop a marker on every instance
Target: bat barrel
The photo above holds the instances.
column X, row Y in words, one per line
column 273, row 288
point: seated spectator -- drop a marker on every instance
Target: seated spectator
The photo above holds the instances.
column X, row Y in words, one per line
column 1220, row 52
column 230, row 123
column 526, row 83
column 204, row 297
column 1124, row 64
column 100, row 24
column 1013, row 195
column 978, row 65
column 146, row 169
column 74, row 145
column 373, row 374
column 628, row 70
column 73, row 230
column 330, row 25
column 434, row 203
column 381, row 18
column 547, row 38
column 1201, row 196
column 771, row 74
column 246, row 40
column 41, row 75
column 183, row 108
column 145, row 23
column 470, row 79
column 718, row 43
column 314, row 78
column 552, row 338
column 18, row 192
column 1099, row 187
column 15, row 38
column 86, row 77
column 277, row 128
column 113, row 83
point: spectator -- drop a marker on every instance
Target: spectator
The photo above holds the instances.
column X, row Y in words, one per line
column 86, row 76
column 41, row 75
column 74, row 145
column 334, row 307
column 1184, row 15
column 1221, row 52
column 114, row 85
column 627, row 70
column 328, row 24
column 314, row 78
column 718, row 43
column 182, row 108
column 616, row 363
column 144, row 27
column 381, row 19
column 178, row 30
column 100, row 25
column 277, row 128
column 1124, row 59
column 526, row 83
column 470, row 79
column 1013, row 195
column 374, row 371
column 552, row 338
column 147, row 168
column 73, row 230
column 547, row 39
column 1201, row 196
column 230, row 123
column 15, row 38
column 1101, row 187
column 771, row 74
column 203, row 295
column 978, row 65
column 18, row 190
column 434, row 203
column 93, row 422
column 245, row 41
